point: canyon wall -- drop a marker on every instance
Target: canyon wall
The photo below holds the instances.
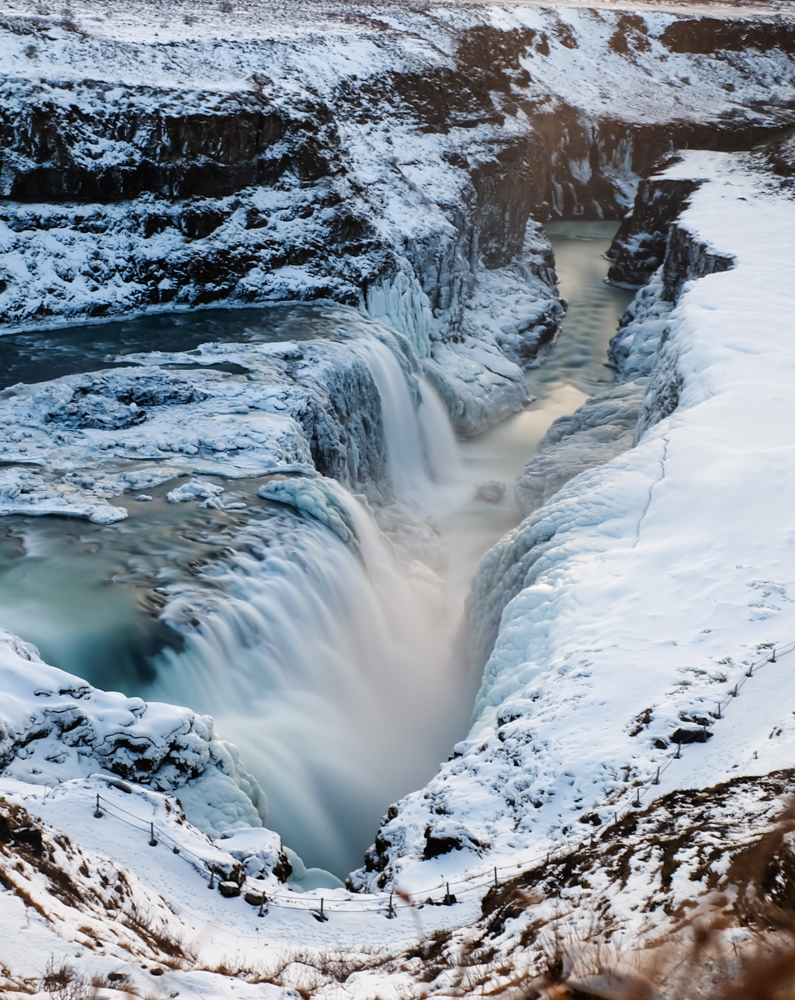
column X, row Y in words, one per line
column 395, row 168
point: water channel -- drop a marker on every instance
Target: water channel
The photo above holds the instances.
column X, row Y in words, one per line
column 332, row 674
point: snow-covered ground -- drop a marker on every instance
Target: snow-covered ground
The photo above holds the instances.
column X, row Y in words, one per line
column 618, row 621
column 634, row 601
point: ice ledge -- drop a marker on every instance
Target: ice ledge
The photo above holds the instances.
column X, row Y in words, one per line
column 55, row 727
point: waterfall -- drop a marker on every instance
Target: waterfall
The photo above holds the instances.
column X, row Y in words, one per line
column 421, row 446
column 317, row 655
column 328, row 669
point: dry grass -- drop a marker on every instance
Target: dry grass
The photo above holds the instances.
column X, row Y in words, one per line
column 168, row 947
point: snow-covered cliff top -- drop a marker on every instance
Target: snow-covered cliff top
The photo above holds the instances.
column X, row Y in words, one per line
column 647, row 587
column 307, row 50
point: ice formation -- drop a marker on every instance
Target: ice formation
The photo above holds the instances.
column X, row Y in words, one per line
column 393, row 171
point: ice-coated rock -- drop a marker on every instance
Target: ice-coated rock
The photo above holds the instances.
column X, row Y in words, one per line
column 493, row 491
column 601, row 429
column 56, row 727
column 319, row 498
column 194, row 490
column 326, row 406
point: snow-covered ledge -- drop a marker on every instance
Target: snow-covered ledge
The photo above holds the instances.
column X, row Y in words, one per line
column 646, row 585
column 54, row 727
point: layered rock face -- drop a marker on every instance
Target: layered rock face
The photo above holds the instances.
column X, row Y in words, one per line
column 394, row 167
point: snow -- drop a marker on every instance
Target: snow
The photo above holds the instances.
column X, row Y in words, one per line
column 630, row 603
column 635, row 599
column 201, row 421
column 56, row 728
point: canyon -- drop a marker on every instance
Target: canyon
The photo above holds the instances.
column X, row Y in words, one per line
column 281, row 321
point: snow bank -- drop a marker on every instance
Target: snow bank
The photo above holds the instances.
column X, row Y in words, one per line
column 56, row 727
column 635, row 598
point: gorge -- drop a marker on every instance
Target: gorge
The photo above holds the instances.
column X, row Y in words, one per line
column 255, row 278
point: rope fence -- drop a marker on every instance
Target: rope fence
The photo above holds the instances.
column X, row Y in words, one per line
column 389, row 903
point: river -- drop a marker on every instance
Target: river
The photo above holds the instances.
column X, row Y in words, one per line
column 331, row 673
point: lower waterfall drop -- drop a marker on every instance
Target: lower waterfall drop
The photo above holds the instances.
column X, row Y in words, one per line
column 327, row 667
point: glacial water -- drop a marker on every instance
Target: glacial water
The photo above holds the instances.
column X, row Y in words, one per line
column 42, row 355
column 328, row 667
column 573, row 368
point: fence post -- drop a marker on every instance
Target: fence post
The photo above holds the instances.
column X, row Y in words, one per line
column 212, row 879
column 656, row 780
column 678, row 751
column 718, row 716
column 152, row 841
column 390, row 913
column 750, row 671
column 496, row 880
column 773, row 657
column 97, row 811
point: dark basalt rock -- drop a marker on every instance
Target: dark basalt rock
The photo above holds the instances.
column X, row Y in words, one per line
column 229, row 889
column 254, row 898
column 436, row 846
column 639, row 246
column 687, row 258
column 780, row 154
column 707, row 35
column 685, row 736
column 227, row 145
column 195, row 159
column 649, row 238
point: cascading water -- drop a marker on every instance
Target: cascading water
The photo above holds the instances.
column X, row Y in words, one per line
column 326, row 666
column 421, row 446
column 321, row 649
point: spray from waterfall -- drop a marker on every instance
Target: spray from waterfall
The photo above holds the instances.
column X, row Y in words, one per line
column 317, row 654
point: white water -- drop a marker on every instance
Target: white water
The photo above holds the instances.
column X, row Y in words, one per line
column 329, row 669
column 421, row 445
